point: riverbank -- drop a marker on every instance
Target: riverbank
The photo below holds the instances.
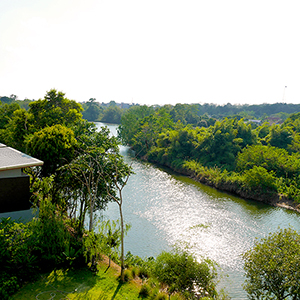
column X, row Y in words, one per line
column 226, row 183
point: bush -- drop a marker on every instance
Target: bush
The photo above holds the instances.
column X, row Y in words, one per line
column 16, row 256
column 161, row 296
column 8, row 285
column 145, row 291
column 181, row 271
column 260, row 179
column 135, row 272
column 127, row 275
column 52, row 236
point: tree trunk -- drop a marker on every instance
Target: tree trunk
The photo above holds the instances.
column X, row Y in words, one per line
column 91, row 213
column 122, row 241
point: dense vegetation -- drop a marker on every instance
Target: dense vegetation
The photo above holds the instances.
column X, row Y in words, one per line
column 83, row 170
column 258, row 162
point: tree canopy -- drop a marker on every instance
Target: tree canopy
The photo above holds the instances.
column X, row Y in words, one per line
column 272, row 267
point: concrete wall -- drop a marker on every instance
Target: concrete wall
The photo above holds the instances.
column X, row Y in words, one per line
column 14, row 193
column 11, row 173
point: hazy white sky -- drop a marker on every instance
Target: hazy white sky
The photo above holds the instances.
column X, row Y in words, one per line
column 152, row 52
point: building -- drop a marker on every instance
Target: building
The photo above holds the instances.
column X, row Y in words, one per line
column 14, row 184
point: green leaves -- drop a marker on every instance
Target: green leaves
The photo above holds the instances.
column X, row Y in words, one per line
column 54, row 145
column 272, row 267
column 259, row 179
column 55, row 109
column 183, row 273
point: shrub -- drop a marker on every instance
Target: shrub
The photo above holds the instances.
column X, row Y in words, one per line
column 259, row 179
column 127, row 275
column 161, row 296
column 181, row 271
column 135, row 272
column 145, row 291
column 16, row 256
column 52, row 236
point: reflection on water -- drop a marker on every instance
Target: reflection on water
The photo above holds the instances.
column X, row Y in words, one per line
column 165, row 208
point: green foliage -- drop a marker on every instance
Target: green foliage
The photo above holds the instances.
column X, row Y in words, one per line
column 145, row 291
column 55, row 109
column 130, row 121
column 226, row 155
column 18, row 128
column 127, row 275
column 17, row 256
column 93, row 175
column 260, row 180
column 271, row 158
column 112, row 114
column 8, row 285
column 54, row 145
column 280, row 137
column 272, row 267
column 181, row 272
column 161, row 296
column 51, row 234
column 110, row 236
column 6, row 113
column 92, row 247
column 92, row 110
column 26, row 249
column 185, row 113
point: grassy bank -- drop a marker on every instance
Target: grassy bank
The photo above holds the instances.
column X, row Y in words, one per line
column 80, row 284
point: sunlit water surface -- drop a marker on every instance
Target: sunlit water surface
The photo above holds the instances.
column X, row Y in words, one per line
column 165, row 208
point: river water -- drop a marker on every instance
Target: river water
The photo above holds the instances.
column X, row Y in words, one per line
column 165, row 208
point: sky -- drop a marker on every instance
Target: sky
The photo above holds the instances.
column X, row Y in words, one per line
column 152, row 52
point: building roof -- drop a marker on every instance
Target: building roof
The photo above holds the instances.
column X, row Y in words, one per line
column 11, row 158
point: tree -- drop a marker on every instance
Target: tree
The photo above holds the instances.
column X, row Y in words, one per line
column 18, row 127
column 93, row 110
column 85, row 170
column 130, row 122
column 112, row 115
column 82, row 180
column 280, row 137
column 272, row 267
column 6, row 113
column 55, row 109
column 54, row 145
column 119, row 173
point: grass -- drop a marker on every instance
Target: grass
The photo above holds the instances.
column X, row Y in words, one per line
column 80, row 284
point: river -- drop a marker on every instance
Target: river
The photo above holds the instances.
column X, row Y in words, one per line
column 165, row 208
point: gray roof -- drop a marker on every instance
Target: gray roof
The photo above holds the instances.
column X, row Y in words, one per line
column 11, row 158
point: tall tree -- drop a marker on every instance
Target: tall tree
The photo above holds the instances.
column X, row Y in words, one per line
column 55, row 109
column 119, row 174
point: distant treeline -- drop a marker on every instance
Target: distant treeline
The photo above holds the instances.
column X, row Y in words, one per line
column 195, row 114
